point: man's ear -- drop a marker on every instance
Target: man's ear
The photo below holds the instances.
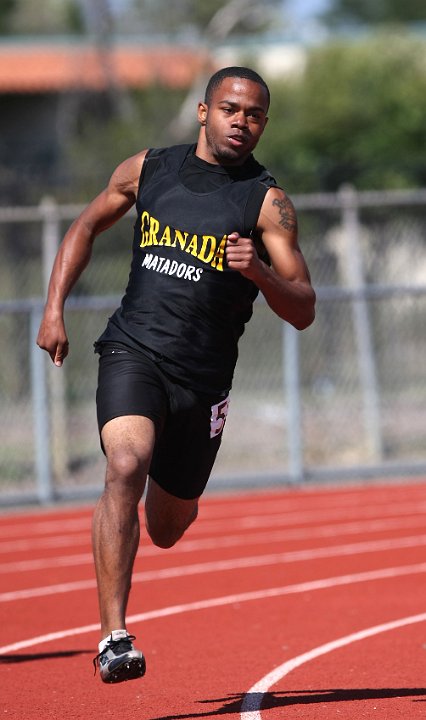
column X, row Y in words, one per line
column 202, row 113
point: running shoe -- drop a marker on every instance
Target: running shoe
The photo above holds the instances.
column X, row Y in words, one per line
column 119, row 661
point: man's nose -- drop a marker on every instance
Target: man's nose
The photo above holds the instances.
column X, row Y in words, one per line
column 240, row 120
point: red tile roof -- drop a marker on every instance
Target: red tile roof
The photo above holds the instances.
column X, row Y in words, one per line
column 35, row 68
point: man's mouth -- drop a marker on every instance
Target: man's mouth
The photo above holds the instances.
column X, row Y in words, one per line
column 237, row 140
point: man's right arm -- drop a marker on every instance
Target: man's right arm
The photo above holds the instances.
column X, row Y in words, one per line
column 76, row 249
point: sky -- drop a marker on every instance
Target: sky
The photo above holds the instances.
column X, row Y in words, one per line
column 299, row 9
column 304, row 9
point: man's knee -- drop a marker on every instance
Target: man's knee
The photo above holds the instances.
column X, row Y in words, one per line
column 126, row 475
column 128, row 443
column 124, row 465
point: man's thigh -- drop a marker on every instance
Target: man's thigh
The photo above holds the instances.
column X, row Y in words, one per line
column 129, row 384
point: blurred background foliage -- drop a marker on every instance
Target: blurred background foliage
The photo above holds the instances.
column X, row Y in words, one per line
column 374, row 12
column 356, row 115
column 353, row 112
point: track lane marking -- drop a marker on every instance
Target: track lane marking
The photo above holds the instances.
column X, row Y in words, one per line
column 252, row 702
column 13, row 546
column 223, row 565
column 254, row 521
column 45, row 527
column 189, row 546
column 82, row 518
column 245, row 521
column 307, row 586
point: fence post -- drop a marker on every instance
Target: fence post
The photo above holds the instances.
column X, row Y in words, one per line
column 290, row 339
column 51, row 236
column 40, row 412
column 366, row 357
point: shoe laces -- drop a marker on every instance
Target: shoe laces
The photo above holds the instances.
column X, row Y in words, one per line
column 121, row 645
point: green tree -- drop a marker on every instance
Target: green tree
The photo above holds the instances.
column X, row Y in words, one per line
column 356, row 115
column 373, row 12
column 6, row 10
column 26, row 17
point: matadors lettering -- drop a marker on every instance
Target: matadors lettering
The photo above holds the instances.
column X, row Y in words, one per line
column 163, row 265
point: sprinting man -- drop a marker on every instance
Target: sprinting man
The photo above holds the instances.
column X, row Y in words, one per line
column 213, row 228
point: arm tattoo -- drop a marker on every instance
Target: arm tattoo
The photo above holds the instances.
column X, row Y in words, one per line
column 287, row 214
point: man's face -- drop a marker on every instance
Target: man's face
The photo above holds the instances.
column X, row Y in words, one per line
column 233, row 121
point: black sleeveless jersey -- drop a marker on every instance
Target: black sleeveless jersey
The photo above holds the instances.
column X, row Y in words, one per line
column 182, row 302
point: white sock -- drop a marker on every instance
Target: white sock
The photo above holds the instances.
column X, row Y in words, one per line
column 114, row 635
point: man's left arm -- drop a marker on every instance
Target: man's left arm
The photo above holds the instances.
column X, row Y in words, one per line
column 286, row 285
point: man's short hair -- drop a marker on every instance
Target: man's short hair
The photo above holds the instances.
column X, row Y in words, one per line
column 234, row 72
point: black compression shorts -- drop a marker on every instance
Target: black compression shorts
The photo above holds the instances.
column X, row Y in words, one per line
column 188, row 425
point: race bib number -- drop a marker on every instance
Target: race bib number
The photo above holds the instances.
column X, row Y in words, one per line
column 218, row 417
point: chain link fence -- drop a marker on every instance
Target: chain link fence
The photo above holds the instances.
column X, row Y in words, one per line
column 345, row 398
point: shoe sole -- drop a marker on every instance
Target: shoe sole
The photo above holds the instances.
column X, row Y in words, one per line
column 129, row 670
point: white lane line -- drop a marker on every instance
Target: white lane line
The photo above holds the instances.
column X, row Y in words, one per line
column 315, row 516
column 230, row 507
column 203, row 525
column 14, row 546
column 228, row 541
column 232, row 564
column 275, row 592
column 46, row 563
column 228, row 511
column 45, row 527
column 300, row 498
column 252, row 703
column 243, row 523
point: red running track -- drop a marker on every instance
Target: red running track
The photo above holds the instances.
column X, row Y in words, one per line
column 307, row 603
